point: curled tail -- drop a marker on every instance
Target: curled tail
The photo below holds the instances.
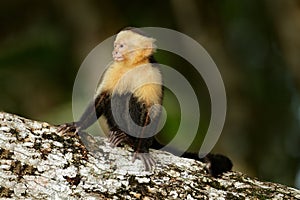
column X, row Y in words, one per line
column 217, row 164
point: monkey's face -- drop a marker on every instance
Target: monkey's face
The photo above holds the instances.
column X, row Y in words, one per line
column 119, row 51
column 132, row 47
column 128, row 50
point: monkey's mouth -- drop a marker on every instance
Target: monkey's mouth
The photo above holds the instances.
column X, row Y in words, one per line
column 117, row 57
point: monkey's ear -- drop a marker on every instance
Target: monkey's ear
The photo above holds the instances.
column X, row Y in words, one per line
column 149, row 46
column 154, row 47
column 152, row 41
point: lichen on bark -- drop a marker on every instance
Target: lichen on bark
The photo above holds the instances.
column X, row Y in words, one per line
column 36, row 162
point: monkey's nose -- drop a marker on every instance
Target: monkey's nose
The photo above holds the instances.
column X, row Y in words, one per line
column 114, row 54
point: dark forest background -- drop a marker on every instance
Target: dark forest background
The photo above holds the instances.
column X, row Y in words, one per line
column 255, row 44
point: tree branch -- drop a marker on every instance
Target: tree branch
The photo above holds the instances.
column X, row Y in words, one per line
column 38, row 163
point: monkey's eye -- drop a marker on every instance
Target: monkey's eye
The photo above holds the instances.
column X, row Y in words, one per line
column 122, row 45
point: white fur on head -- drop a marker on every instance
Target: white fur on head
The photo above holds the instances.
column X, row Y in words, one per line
column 135, row 40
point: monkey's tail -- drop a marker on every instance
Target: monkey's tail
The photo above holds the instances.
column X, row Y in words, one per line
column 217, row 164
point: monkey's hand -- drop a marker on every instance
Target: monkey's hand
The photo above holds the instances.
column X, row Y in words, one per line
column 69, row 127
column 147, row 160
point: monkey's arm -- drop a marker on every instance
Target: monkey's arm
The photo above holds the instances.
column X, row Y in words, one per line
column 94, row 110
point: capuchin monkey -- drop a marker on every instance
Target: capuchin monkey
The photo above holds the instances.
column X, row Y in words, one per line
column 129, row 98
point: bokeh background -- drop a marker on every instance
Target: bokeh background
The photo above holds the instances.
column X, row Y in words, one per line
column 255, row 44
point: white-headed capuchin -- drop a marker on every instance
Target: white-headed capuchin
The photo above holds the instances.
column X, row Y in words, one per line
column 130, row 96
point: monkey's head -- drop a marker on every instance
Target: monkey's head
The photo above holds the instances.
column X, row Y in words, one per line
column 131, row 46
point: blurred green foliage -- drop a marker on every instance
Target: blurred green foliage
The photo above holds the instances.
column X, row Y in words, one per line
column 42, row 44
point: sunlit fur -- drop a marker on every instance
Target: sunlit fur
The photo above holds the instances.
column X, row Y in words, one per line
column 134, row 74
column 136, row 48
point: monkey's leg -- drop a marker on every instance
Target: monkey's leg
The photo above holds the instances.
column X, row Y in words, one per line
column 140, row 146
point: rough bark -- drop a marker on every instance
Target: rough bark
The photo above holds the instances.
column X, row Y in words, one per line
column 38, row 163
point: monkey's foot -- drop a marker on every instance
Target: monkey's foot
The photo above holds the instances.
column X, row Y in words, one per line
column 68, row 128
column 147, row 160
column 116, row 138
